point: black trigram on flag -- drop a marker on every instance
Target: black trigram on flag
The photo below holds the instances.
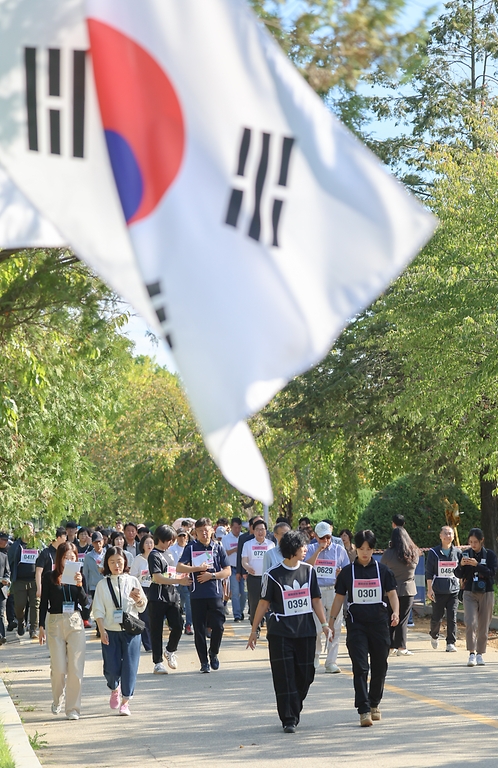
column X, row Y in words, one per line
column 237, row 194
column 51, row 85
column 158, row 302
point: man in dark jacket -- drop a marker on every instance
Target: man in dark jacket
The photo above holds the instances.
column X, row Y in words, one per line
column 443, row 587
column 22, row 558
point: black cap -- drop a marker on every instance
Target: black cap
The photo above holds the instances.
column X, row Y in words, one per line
column 4, row 536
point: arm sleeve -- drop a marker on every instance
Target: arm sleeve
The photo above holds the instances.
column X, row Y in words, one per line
column 431, row 565
column 240, row 545
column 341, row 585
column 267, row 588
column 185, row 557
column 98, row 606
column 155, row 563
column 342, row 557
column 315, row 589
column 489, row 569
column 223, row 557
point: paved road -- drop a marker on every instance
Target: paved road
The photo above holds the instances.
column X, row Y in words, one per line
column 436, row 712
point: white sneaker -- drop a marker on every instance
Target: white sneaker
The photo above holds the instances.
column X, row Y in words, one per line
column 480, row 661
column 332, row 669
column 472, row 660
column 171, row 659
column 56, row 709
column 317, row 660
column 160, row 669
column 404, row 652
column 435, row 642
column 450, row 648
column 73, row 715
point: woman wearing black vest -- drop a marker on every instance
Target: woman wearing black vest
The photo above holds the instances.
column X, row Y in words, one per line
column 477, row 568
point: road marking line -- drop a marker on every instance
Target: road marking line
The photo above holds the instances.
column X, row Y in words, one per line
column 442, row 705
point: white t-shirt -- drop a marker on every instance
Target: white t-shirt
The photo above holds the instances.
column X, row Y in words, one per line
column 175, row 551
column 255, row 553
column 229, row 542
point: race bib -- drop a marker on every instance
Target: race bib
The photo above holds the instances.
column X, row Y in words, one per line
column 297, row 601
column 326, row 569
column 145, row 577
column 198, row 558
column 28, row 556
column 367, row 591
column 81, row 556
column 173, row 573
column 445, row 568
column 258, row 550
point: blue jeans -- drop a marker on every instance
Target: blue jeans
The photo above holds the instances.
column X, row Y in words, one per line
column 237, row 588
column 121, row 659
column 184, row 593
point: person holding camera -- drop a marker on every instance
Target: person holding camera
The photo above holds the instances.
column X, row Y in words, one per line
column 477, row 568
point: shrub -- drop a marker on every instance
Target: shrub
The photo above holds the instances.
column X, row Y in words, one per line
column 421, row 502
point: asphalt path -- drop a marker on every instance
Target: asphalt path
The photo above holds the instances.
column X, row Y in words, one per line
column 436, row 711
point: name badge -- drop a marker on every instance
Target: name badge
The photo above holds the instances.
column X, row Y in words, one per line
column 67, row 607
column 297, row 601
column 258, row 550
column 28, row 555
column 367, row 591
column 446, row 567
column 117, row 616
column 326, row 569
column 198, row 558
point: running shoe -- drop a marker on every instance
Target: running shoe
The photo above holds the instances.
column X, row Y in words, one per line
column 472, row 662
column 375, row 714
column 289, row 728
column 56, row 708
column 435, row 642
column 205, row 668
column 215, row 662
column 87, row 624
column 188, row 629
column 365, row 719
column 404, row 652
column 332, row 669
column 3, row 640
column 160, row 669
column 450, row 648
column 114, row 699
column 317, row 660
column 171, row 659
column 125, row 709
column 480, row 661
column 21, row 629
column 73, row 715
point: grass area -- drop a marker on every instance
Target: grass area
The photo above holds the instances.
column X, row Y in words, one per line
column 6, row 759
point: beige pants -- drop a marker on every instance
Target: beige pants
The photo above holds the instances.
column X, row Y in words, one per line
column 66, row 643
column 478, row 610
column 328, row 595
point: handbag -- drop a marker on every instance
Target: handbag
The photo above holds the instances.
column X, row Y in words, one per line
column 130, row 624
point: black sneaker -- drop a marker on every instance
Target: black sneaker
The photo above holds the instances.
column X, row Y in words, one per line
column 289, row 728
column 21, row 629
column 205, row 668
column 215, row 662
column 11, row 626
column 3, row 640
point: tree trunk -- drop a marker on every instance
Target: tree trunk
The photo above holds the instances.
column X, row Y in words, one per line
column 489, row 511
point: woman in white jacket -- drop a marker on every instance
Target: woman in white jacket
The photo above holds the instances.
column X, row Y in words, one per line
column 120, row 650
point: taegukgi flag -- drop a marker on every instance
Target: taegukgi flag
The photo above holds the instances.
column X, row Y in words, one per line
column 258, row 224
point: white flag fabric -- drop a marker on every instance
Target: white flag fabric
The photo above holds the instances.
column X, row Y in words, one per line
column 259, row 225
column 21, row 225
column 52, row 146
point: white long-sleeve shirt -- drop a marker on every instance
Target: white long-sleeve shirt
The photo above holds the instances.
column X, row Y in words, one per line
column 103, row 604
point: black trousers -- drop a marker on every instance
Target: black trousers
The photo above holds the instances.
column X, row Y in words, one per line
column 207, row 610
column 158, row 611
column 399, row 633
column 254, row 592
column 442, row 603
column 364, row 640
column 293, row 671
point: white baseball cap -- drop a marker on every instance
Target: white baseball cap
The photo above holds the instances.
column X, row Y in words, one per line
column 323, row 529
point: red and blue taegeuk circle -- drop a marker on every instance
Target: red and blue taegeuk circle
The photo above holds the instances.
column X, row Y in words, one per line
column 142, row 118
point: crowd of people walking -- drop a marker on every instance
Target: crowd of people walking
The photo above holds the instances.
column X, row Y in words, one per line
column 303, row 585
